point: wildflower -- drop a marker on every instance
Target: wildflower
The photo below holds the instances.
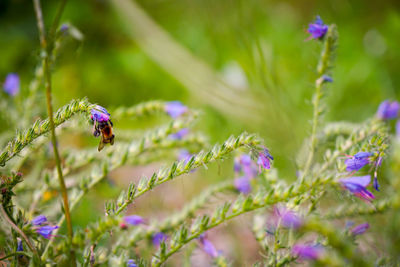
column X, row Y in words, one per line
column 64, row 28
column 264, row 159
column 39, row 220
column 11, row 84
column 324, row 79
column 131, row 263
column 158, row 238
column 288, row 218
column 307, row 252
column 388, row 110
column 175, row 109
column 99, row 114
column 179, row 135
column 184, row 155
column 19, row 245
column 46, row 231
column 317, row 29
column 242, row 184
column 358, row 161
column 245, row 164
column 357, row 185
column 359, row 229
column 208, row 247
column 134, row 219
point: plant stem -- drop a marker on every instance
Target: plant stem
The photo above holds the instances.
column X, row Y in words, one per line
column 47, row 74
column 16, row 228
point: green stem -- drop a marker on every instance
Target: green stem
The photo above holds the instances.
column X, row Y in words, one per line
column 47, row 72
column 324, row 64
column 14, row 254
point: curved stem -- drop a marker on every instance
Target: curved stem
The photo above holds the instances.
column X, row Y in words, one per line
column 47, row 73
column 19, row 231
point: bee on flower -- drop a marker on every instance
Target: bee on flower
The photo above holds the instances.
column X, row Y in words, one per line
column 102, row 124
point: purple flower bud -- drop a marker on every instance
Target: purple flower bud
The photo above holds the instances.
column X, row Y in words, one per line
column 208, row 247
column 64, row 28
column 99, row 114
column 359, row 229
column 134, row 219
column 175, row 109
column 242, row 184
column 39, row 220
column 11, row 84
column 357, row 186
column 46, row 231
column 158, row 238
column 131, row 263
column 376, row 184
column 317, row 29
column 388, row 110
column 19, row 245
column 264, row 159
column 307, row 252
column 179, row 135
column 324, row 79
column 288, row 218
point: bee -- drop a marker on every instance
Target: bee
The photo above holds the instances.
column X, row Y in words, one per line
column 105, row 129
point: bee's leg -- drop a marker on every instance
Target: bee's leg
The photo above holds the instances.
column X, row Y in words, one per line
column 112, row 125
column 101, row 145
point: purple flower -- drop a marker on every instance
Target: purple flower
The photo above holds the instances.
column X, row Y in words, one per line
column 398, row 128
column 288, row 218
column 208, row 247
column 245, row 164
column 376, row 184
column 388, row 110
column 307, row 252
column 357, row 185
column 264, row 159
column 64, row 28
column 175, row 109
column 99, row 114
column 19, row 245
column 317, row 29
column 325, row 79
column 242, row 184
column 46, row 231
column 131, row 263
column 158, row 238
column 39, row 220
column 11, row 84
column 359, row 229
column 358, row 161
column 179, row 135
column 134, row 219
column 184, row 155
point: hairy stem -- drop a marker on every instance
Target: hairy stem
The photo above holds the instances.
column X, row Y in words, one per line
column 19, row 231
column 47, row 72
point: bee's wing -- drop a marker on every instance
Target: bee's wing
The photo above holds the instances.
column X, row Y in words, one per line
column 112, row 140
column 101, row 144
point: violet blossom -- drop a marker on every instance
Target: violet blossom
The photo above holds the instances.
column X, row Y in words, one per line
column 46, row 230
column 134, row 219
column 388, row 110
column 175, row 109
column 158, row 238
column 11, row 84
column 208, row 247
column 359, row 229
column 39, row 220
column 358, row 161
column 264, row 159
column 307, row 252
column 357, row 186
column 242, row 184
column 317, row 29
column 288, row 218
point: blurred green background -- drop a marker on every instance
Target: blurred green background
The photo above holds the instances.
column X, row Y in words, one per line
column 245, row 64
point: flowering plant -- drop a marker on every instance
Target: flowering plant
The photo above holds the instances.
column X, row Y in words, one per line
column 291, row 222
